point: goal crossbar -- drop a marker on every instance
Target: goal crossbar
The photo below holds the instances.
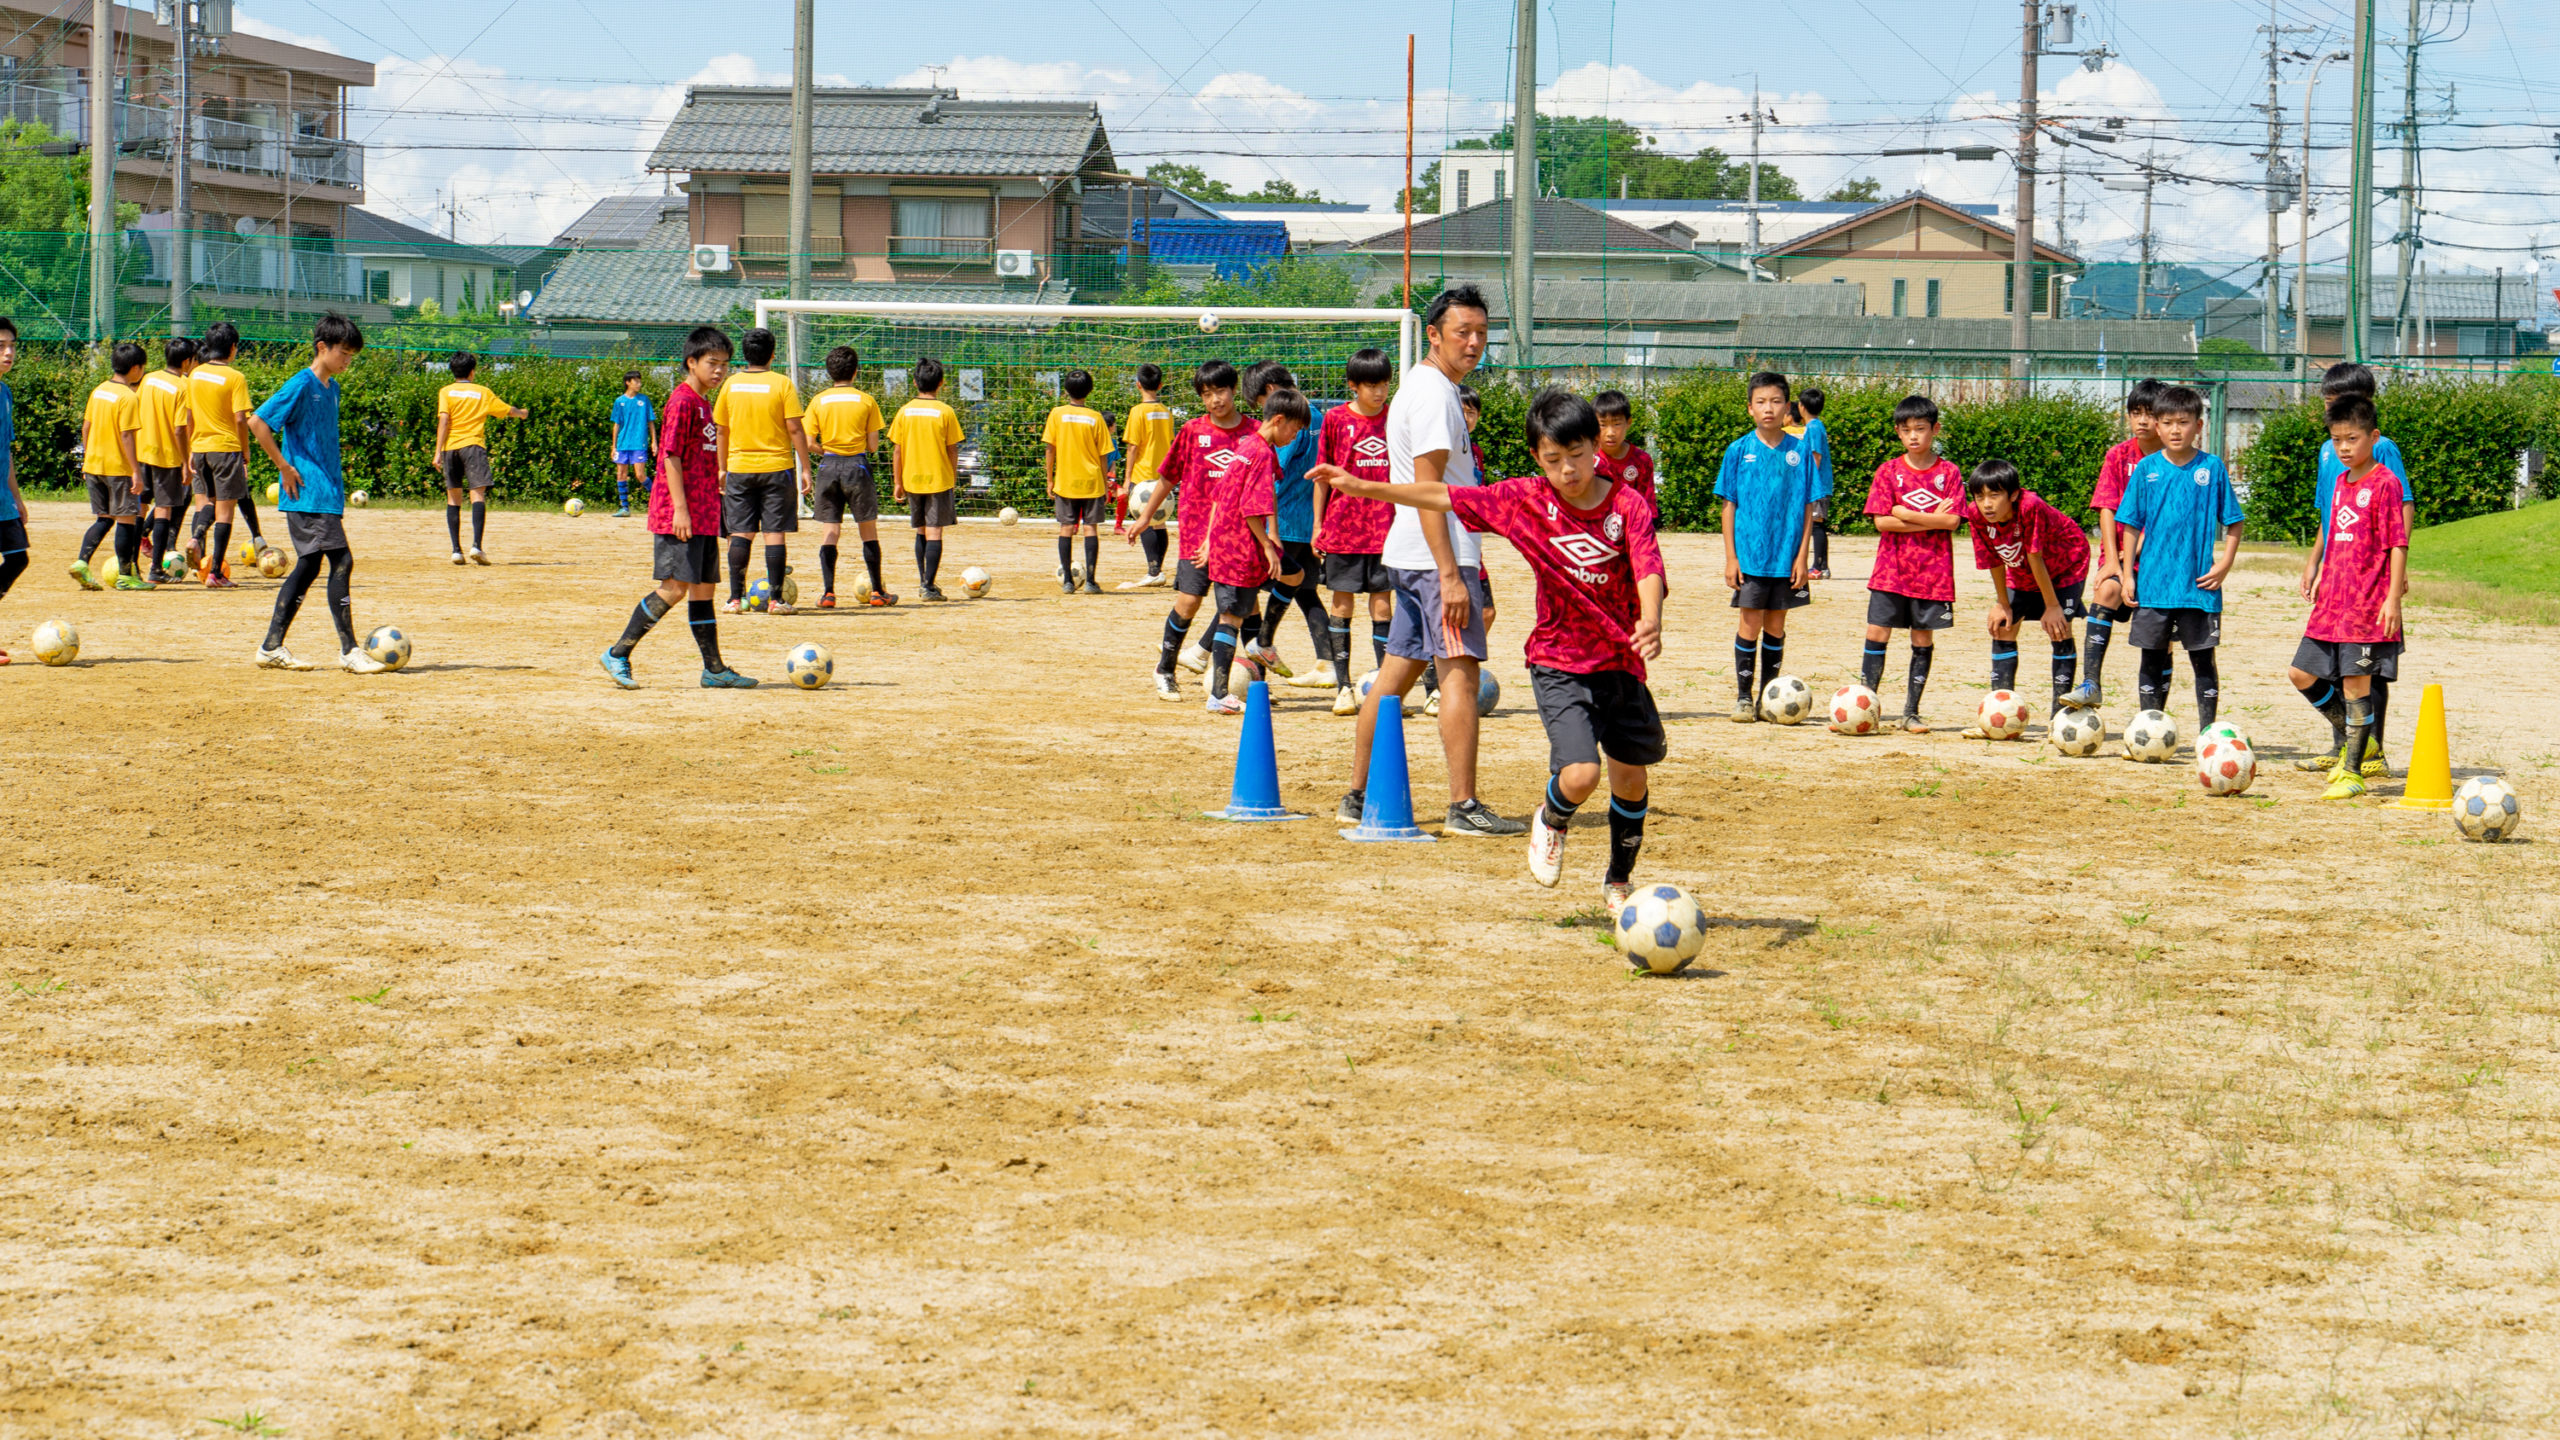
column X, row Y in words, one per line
column 1408, row 324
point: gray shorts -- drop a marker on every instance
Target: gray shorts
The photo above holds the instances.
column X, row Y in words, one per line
column 315, row 534
column 695, row 561
column 113, row 495
column 1087, row 511
column 942, row 507
column 1771, row 592
column 1356, row 575
column 760, row 502
column 165, row 485
column 842, row 491
column 222, row 475
column 467, row 468
column 2186, row 627
column 1416, row 632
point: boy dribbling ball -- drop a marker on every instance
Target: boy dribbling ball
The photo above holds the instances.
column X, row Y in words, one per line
column 1147, row 434
column 298, row 428
column 2352, row 642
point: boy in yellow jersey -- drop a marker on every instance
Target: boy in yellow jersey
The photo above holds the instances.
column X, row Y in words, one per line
column 463, row 412
column 115, row 489
column 924, row 466
column 764, row 455
column 218, row 412
column 846, row 423
column 1147, row 435
column 1075, row 447
column 160, row 446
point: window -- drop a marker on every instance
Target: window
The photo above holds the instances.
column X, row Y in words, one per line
column 1901, row 297
column 1931, row 300
column 1063, row 224
column 377, row 285
column 1498, row 178
column 950, row 227
column 1463, row 177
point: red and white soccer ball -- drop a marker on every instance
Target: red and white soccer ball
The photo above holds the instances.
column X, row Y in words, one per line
column 2003, row 715
column 2225, row 765
column 1854, row 711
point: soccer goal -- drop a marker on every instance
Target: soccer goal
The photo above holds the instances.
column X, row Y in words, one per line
column 1003, row 364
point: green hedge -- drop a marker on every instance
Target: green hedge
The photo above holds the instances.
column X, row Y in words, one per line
column 2461, row 440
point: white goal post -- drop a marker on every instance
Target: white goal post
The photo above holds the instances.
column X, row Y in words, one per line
column 1408, row 327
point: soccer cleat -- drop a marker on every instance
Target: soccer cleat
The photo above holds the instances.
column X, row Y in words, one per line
column 479, row 556
column 280, row 659
column 1353, row 802
column 1314, row 677
column 1973, row 732
column 1166, row 688
column 2085, row 696
column 1346, row 700
column 934, row 594
column 619, row 667
column 1159, row 580
column 727, row 680
column 2344, row 784
column 1431, row 704
column 2320, row 762
column 356, row 662
column 1225, row 705
column 1194, row 659
column 457, row 558
column 1912, row 724
column 1139, row 584
column 1471, row 817
column 1271, row 661
column 1546, row 848
column 135, row 582
column 827, row 601
column 219, row 581
column 195, row 555
column 882, row 599
column 2375, row 766
column 1745, row 710
column 622, row 514
column 729, row 606
column 1091, row 587
column 779, row 606
column 1614, row 895
column 80, row 572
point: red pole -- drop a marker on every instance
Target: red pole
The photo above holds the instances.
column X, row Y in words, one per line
column 1408, row 172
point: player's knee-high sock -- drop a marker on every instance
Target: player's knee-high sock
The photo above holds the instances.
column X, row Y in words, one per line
column 342, row 604
column 1337, row 634
column 453, row 525
column 644, row 616
column 1378, row 643
column 2004, row 664
column 1153, row 543
column 2102, row 631
column 1821, row 544
column 739, row 545
column 2359, row 725
column 1773, row 656
column 1275, row 603
column 2381, row 698
column 2208, row 685
column 1746, row 654
column 1093, row 558
column 1559, row 809
column 1222, row 656
column 1626, row 835
column 2151, row 679
column 704, row 620
column 97, row 533
column 1871, row 665
column 774, row 558
column 1067, row 558
column 2323, row 696
column 479, row 521
column 932, row 561
column 12, row 566
column 827, row 569
column 297, row 583
column 1319, row 624
column 920, row 559
column 871, row 563
column 128, row 545
column 202, row 522
column 1249, row 630
column 1176, row 630
column 1922, row 656
column 2066, row 666
column 622, row 492
column 248, row 513
column 217, row 557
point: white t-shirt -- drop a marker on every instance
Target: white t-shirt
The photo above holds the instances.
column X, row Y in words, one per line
column 1424, row 417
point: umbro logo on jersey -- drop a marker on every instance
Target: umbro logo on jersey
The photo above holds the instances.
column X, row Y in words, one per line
column 1923, row 499
column 2010, row 555
column 1221, row 458
column 1585, row 551
column 2347, row 517
column 1371, row 449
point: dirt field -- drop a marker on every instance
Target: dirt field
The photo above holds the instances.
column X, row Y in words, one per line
column 483, row 1051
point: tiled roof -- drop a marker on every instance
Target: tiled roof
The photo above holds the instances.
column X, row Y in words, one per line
column 1969, row 214
column 1559, row 227
column 864, row 131
column 371, row 234
column 2438, row 297
column 618, row 220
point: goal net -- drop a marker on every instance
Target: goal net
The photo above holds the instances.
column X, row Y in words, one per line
column 1002, row 365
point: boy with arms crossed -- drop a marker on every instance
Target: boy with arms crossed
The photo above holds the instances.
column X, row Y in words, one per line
column 2044, row 564
column 1075, row 446
column 1769, row 507
column 218, row 415
column 924, row 468
column 2184, row 517
column 2108, row 604
column 463, row 412
column 2352, row 643
column 2340, row 381
column 761, row 443
column 1350, row 529
column 846, row 430
column 1238, row 552
column 160, row 446
column 1203, row 449
column 115, row 486
column 298, row 428
column 1147, row 434
column 634, row 425
column 684, row 519
column 1916, row 500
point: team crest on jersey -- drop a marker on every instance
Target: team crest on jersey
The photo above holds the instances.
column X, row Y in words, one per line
column 1584, row 551
column 2346, row 518
column 1794, row 459
column 2365, row 496
column 1614, row 527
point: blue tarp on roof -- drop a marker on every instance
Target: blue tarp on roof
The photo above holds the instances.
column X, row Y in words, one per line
column 1234, row 246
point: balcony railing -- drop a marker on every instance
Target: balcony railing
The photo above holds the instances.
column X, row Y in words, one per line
column 220, row 145
column 825, row 251
column 945, row 249
column 256, row 265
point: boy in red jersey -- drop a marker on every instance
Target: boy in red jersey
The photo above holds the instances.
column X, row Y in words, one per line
column 1621, row 459
column 684, row 519
column 1203, row 449
column 1917, row 499
column 2353, row 638
column 1350, row 531
column 2044, row 564
column 2107, row 609
column 1239, row 552
column 1589, row 541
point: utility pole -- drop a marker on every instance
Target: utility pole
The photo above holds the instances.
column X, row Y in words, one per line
column 102, row 170
column 2408, row 236
column 181, row 142
column 2302, row 260
column 2358, row 319
column 2022, row 288
column 1524, row 184
column 1751, row 203
column 2271, row 317
column 2142, row 277
column 803, row 68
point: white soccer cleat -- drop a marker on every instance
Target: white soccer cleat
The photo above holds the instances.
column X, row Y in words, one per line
column 1195, row 659
column 1141, row 583
column 1546, row 848
column 280, row 659
column 1314, row 677
column 1159, row 580
column 1346, row 701
column 479, row 556
column 1166, row 688
column 356, row 662
column 457, row 557
column 1225, row 705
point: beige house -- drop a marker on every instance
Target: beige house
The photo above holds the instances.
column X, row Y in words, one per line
column 1921, row 258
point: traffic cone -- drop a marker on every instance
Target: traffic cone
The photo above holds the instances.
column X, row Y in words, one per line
column 1255, row 793
column 1386, row 813
column 2430, row 783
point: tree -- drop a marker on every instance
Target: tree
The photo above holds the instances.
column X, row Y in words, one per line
column 2225, row 352
column 40, row 192
column 1280, row 192
column 1863, row 190
column 1191, row 180
column 1426, row 191
column 1594, row 157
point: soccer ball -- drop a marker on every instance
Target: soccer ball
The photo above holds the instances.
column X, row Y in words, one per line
column 1365, row 681
column 1488, row 691
column 2003, row 715
column 57, row 643
column 1008, row 515
column 388, row 644
column 275, row 493
column 2151, row 737
column 272, row 564
column 107, row 569
column 2224, row 764
column 1661, row 929
column 790, row 589
column 574, row 507
column 2223, row 728
column 1208, row 322
column 357, row 498
column 1142, row 496
column 975, row 582
column 809, row 666
column 1785, row 700
column 2485, row 808
column 862, row 591
column 2077, row 731
column 173, row 565
column 1854, row 711
column 246, row 552
column 759, row 595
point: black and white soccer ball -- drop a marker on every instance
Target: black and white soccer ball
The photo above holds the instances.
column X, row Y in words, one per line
column 2486, row 808
column 1786, row 701
column 1661, row 929
column 2077, row 731
column 2151, row 737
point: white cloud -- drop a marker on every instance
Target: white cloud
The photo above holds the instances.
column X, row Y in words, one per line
column 252, row 25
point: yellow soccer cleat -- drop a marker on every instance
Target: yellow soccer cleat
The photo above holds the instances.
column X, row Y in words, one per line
column 2343, row 785
column 2375, row 767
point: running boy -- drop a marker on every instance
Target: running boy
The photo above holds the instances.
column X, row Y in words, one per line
column 1817, row 454
column 2340, row 381
column 1075, row 445
column 1147, row 434
column 2183, row 516
column 634, row 430
column 1351, row 530
column 1769, row 507
column 1917, row 501
column 1238, row 551
column 298, row 428
column 13, row 505
column 846, row 430
column 2352, row 643
column 2044, row 565
column 684, row 519
column 1589, row 540
column 115, row 486
column 1620, row 460
column 160, row 446
column 924, row 468
column 2109, row 604
column 764, row 455
column 463, row 412
column 218, row 412
column 1203, row 450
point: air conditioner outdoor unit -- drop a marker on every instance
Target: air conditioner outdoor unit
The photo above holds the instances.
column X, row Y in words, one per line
column 710, row 259
column 1016, row 265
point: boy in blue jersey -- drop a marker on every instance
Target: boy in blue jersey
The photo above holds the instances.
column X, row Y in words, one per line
column 2337, row 383
column 2184, row 524
column 1769, row 508
column 13, row 505
column 635, row 426
column 1293, row 524
column 298, row 428
column 1817, row 453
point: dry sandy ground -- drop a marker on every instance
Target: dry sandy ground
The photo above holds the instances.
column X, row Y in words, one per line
column 482, row 1051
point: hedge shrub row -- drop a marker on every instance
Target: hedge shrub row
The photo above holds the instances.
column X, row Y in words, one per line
column 2461, row 441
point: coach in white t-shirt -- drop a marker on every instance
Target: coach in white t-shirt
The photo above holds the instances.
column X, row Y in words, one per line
column 1434, row 564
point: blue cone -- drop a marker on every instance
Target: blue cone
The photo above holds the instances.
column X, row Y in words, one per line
column 1386, row 812
column 1255, row 795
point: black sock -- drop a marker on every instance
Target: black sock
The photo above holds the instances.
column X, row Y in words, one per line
column 644, row 615
column 826, row 569
column 1559, row 809
column 739, row 545
column 1249, row 629
column 1746, row 655
column 774, row 556
column 704, row 617
column 1176, row 630
column 1319, row 624
column 1922, row 656
column 1378, row 643
column 1338, row 650
column 1274, row 605
column 2066, row 665
column 1871, row 665
column 97, row 533
column 871, row 563
column 11, row 567
column 2208, row 686
column 297, row 583
column 2004, row 664
column 1773, row 657
column 1067, row 560
column 1821, row 544
column 1626, row 836
column 2151, row 680
column 2323, row 696
column 129, row 546
column 2102, row 629
column 217, row 559
column 2381, row 698
column 479, row 521
column 1153, row 543
column 342, row 604
column 453, row 526
column 2359, row 725
column 1222, row 655
column 247, row 513
column 163, row 530
column 920, row 576
column 202, row 522
column 1093, row 558
column 932, row 561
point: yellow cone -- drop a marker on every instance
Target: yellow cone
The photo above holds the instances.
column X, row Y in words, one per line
column 2430, row 784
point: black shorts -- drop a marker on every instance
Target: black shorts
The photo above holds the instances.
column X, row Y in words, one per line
column 2027, row 606
column 315, row 534
column 1297, row 557
column 2344, row 660
column 1607, row 712
column 1901, row 612
column 1190, row 579
column 13, row 536
column 113, row 495
column 842, row 490
column 1760, row 592
column 695, row 561
column 1238, row 599
column 222, row 475
column 940, row 508
column 760, row 503
column 1082, row 510
column 467, row 468
column 2187, row 629
column 1356, row 575
column 164, row 485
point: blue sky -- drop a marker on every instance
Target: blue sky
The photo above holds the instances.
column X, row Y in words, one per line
column 564, row 96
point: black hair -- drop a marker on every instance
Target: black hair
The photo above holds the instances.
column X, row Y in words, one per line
column 1456, row 297
column 1766, row 380
column 1563, row 417
column 2347, row 378
column 1810, row 402
column 8, row 327
column 630, row 375
column 756, row 346
column 337, row 330
column 1256, row 379
column 928, row 375
column 220, row 340
column 1213, row 375
column 1914, row 407
column 704, row 340
column 1468, row 397
column 2178, row 400
column 841, row 363
column 1283, row 401
column 1368, row 367
column 2143, row 395
column 2356, row 410
column 1612, row 405
column 176, row 351
column 462, row 364
column 1076, row 383
column 128, row 357
column 1993, row 475
column 1151, row 376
